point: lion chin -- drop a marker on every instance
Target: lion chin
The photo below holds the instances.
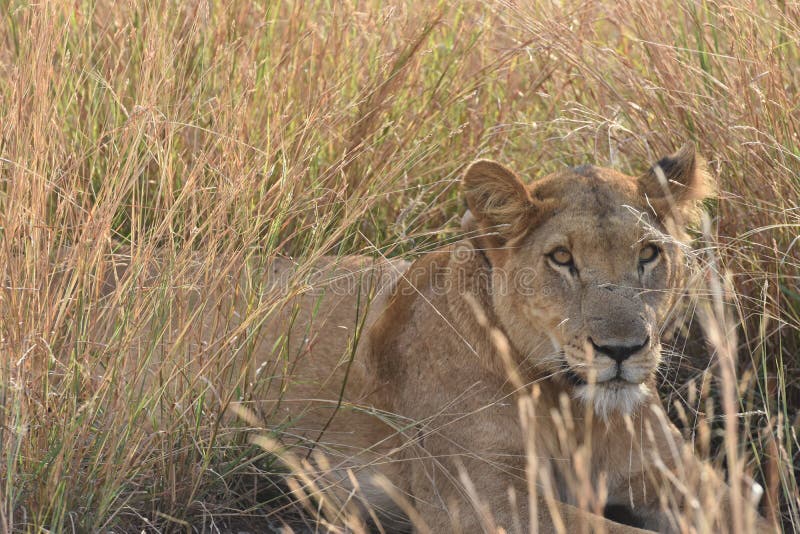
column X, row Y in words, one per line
column 612, row 397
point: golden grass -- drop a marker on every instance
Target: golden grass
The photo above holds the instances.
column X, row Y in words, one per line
column 207, row 132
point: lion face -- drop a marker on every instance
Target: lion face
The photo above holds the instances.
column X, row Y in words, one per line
column 586, row 265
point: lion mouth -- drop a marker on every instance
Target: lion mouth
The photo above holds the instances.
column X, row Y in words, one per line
column 607, row 393
column 615, row 382
column 615, row 396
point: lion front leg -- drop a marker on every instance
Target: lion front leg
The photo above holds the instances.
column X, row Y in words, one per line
column 701, row 501
column 668, row 488
column 483, row 490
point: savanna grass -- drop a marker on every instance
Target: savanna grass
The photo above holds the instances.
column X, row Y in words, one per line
column 211, row 136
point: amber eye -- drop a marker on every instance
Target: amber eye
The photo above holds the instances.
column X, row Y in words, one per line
column 561, row 256
column 648, row 254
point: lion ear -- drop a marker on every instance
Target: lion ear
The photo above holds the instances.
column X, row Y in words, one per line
column 498, row 200
column 676, row 184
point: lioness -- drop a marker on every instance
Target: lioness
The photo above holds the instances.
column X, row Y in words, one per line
column 414, row 377
column 564, row 283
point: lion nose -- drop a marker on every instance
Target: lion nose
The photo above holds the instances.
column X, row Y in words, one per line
column 619, row 353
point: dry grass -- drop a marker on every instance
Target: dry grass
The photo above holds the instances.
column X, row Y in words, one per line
column 208, row 132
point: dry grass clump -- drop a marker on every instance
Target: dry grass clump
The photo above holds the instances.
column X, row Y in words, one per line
column 209, row 135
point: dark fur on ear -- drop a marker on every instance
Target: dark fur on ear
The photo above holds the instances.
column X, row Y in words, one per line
column 676, row 183
column 497, row 199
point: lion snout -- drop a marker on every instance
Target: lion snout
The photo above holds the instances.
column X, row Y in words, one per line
column 620, row 353
column 625, row 360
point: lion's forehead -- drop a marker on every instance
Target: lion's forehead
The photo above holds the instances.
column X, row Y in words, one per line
column 589, row 188
column 609, row 231
column 593, row 206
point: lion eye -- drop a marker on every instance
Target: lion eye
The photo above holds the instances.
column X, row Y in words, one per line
column 561, row 256
column 648, row 254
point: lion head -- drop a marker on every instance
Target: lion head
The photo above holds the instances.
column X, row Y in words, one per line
column 593, row 261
